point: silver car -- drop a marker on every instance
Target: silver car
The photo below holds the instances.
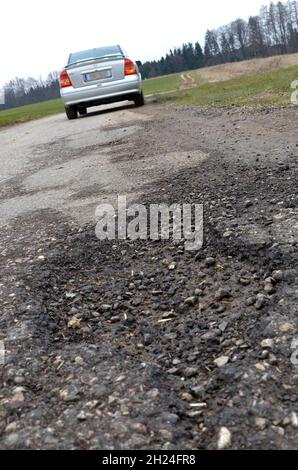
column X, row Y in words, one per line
column 99, row 76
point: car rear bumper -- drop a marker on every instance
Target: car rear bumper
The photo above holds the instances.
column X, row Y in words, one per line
column 102, row 92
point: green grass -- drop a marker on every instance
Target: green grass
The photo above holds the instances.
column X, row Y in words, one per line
column 29, row 112
column 162, row 84
column 270, row 88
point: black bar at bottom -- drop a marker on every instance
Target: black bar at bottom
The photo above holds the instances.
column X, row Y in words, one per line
column 136, row 459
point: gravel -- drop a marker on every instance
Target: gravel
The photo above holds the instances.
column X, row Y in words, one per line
column 144, row 345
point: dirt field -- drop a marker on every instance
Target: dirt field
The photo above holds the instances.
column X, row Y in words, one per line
column 143, row 345
column 248, row 67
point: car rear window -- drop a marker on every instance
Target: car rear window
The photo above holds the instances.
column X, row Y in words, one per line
column 98, row 52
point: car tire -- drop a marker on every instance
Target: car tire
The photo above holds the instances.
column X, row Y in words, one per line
column 82, row 111
column 139, row 99
column 71, row 112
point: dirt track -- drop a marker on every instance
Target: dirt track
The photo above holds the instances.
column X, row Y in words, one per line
column 106, row 345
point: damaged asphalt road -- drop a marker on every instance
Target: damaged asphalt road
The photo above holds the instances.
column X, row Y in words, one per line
column 143, row 345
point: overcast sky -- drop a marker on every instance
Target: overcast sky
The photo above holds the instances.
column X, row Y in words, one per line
column 37, row 36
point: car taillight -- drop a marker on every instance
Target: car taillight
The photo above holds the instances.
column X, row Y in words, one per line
column 129, row 67
column 64, row 79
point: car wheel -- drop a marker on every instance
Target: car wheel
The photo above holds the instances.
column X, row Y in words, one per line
column 139, row 99
column 82, row 111
column 71, row 112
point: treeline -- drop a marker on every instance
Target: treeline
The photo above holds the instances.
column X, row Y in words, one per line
column 188, row 57
column 22, row 91
column 274, row 31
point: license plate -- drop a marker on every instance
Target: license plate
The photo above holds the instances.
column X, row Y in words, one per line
column 98, row 75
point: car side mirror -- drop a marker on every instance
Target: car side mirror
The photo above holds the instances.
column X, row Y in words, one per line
column 139, row 63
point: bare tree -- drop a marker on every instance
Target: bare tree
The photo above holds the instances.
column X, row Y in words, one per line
column 282, row 17
column 240, row 30
column 212, row 50
column 256, row 37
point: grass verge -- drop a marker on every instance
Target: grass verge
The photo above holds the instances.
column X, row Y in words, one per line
column 270, row 88
column 162, row 84
column 29, row 112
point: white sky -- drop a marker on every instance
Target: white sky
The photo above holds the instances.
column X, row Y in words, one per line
column 37, row 36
